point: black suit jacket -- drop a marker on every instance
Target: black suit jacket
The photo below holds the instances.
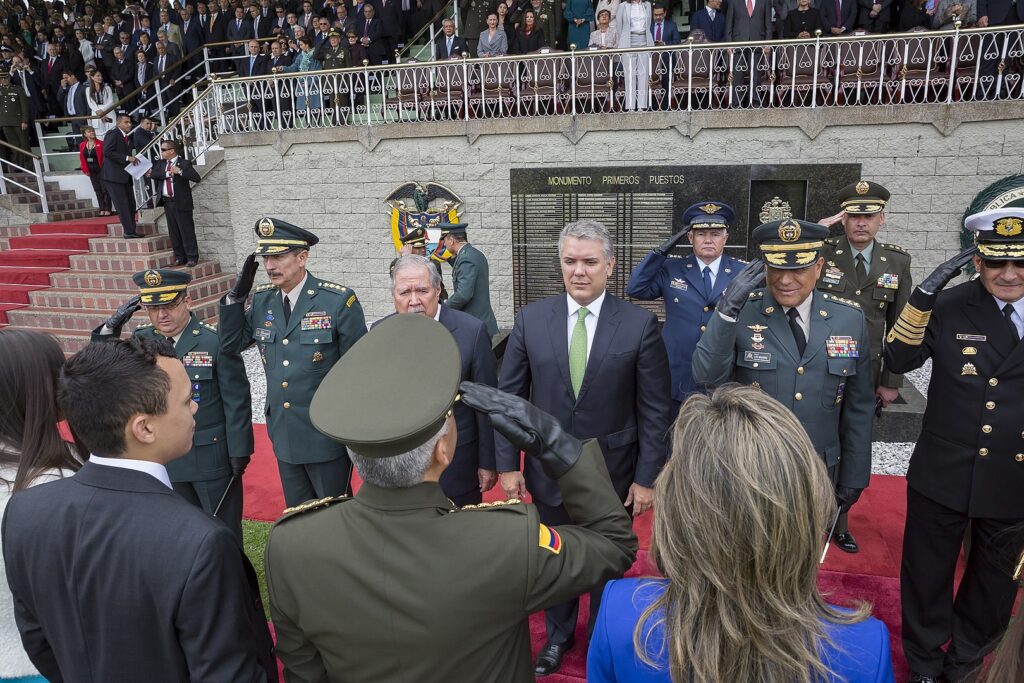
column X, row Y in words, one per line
column 259, row 68
column 115, row 158
column 390, row 16
column 116, row 578
column 713, row 30
column 1001, row 12
column 216, row 31
column 847, row 19
column 377, row 48
column 739, row 26
column 459, row 47
column 123, row 72
column 625, row 399
column 180, row 182
column 81, row 106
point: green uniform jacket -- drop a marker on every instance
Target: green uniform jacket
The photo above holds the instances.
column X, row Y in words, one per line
column 13, row 106
column 471, row 282
column 325, row 322
column 881, row 295
column 335, row 58
column 221, row 389
column 397, row 585
column 549, row 18
column 829, row 388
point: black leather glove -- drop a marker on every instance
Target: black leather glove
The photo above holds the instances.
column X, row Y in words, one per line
column 941, row 276
column 736, row 294
column 527, row 427
column 246, row 277
column 847, row 497
column 238, row 466
column 668, row 245
column 122, row 314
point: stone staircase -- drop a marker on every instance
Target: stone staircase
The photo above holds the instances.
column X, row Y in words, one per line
column 63, row 205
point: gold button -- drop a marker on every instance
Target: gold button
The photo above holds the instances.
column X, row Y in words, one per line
column 992, row 382
column 702, row 328
column 800, row 370
column 706, row 309
column 990, row 405
column 284, row 384
column 287, row 404
column 983, row 452
column 1019, row 457
column 799, row 396
column 987, row 429
column 858, row 291
column 285, row 363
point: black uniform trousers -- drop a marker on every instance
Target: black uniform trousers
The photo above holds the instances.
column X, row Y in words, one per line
column 207, row 494
column 182, row 230
column 315, row 480
column 123, row 198
column 980, row 612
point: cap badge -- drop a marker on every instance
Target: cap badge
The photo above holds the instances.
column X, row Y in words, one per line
column 266, row 227
column 711, row 208
column 1009, row 227
column 862, row 187
column 152, row 278
column 789, row 231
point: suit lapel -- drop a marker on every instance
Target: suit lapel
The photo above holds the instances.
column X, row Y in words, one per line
column 187, row 341
column 844, row 259
column 820, row 327
column 607, row 324
column 778, row 324
column 558, row 330
column 693, row 274
column 981, row 309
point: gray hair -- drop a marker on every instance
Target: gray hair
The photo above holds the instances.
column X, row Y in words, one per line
column 398, row 471
column 588, row 229
column 416, row 261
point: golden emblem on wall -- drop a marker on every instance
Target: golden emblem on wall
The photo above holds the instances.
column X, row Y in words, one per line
column 266, row 227
column 1009, row 227
column 775, row 210
column 427, row 205
column 152, row 278
column 789, row 231
column 862, row 187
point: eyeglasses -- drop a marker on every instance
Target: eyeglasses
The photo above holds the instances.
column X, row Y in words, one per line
column 999, row 265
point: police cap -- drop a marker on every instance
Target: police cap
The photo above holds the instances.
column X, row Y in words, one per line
column 416, row 237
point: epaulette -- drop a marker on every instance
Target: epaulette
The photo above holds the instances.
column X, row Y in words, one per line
column 896, row 248
column 263, row 288
column 496, row 505
column 848, row 302
column 311, row 505
column 832, row 240
column 331, row 287
column 211, row 328
column 143, row 326
column 757, row 294
column 739, row 260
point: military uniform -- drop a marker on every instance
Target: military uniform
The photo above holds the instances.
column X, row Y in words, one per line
column 471, row 281
column 474, row 23
column 968, row 464
column 420, row 565
column 297, row 354
column 548, row 18
column 13, row 113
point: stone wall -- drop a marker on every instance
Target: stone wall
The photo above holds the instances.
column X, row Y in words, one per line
column 334, row 181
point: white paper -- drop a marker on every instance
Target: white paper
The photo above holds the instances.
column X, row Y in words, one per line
column 139, row 168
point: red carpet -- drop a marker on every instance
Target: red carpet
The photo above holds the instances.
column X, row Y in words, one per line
column 871, row 575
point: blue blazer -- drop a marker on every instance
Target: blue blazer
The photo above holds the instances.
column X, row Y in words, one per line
column 858, row 653
column 669, row 34
column 687, row 306
column 714, row 30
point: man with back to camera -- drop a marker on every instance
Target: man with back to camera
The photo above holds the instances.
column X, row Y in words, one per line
column 114, row 577
column 117, row 156
column 471, row 291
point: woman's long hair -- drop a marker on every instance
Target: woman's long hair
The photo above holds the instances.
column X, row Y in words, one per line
column 739, row 520
column 30, row 364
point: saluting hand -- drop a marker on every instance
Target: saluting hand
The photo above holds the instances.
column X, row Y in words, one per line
column 736, row 294
column 641, row 497
column 668, row 245
column 941, row 276
column 245, row 280
column 123, row 313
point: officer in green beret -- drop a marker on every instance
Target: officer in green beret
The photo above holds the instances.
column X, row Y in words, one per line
column 210, row 475
column 397, row 584
column 302, row 325
column 806, row 348
column 14, row 117
column 470, row 276
column 414, row 242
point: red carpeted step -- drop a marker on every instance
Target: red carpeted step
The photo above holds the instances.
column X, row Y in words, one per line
column 74, row 227
column 27, row 275
column 16, row 294
column 7, row 307
column 59, row 241
column 58, row 258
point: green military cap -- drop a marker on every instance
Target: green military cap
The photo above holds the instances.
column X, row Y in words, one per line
column 417, row 237
column 789, row 243
column 999, row 233
column 379, row 399
column 333, row 33
column 863, row 197
column 162, row 286
column 275, row 236
column 454, row 228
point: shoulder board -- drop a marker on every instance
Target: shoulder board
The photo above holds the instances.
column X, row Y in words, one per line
column 848, row 302
column 143, row 326
column 263, row 288
column 496, row 505
column 211, row 328
column 739, row 260
column 311, row 505
column 331, row 287
column 757, row 294
column 832, row 240
column 898, row 249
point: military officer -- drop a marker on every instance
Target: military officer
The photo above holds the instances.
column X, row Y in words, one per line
column 334, row 55
column 807, row 349
column 210, row 475
column 474, row 23
column 14, row 117
column 968, row 464
column 690, row 285
column 415, row 242
column 470, row 276
column 874, row 274
column 302, row 325
column 387, row 585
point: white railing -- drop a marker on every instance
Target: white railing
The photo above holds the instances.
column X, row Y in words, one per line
column 34, row 183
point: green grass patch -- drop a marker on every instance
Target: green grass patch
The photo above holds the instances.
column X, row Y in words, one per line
column 254, row 538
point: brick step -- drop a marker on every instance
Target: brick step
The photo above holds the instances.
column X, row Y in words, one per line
column 91, row 226
column 118, row 281
column 29, row 181
column 72, row 319
column 27, row 275
column 107, row 300
column 7, row 308
column 52, row 197
column 71, row 214
column 14, row 230
column 119, row 245
column 77, row 242
column 59, row 258
column 17, row 294
column 116, row 230
column 129, row 263
column 61, row 206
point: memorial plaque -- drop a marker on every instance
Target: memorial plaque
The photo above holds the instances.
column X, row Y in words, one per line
column 642, row 206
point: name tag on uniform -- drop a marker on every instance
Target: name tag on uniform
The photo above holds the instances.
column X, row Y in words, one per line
column 842, row 347
column 197, row 359
column 889, row 281
column 971, row 337
column 757, row 357
column 318, row 320
column 262, row 334
column 678, row 283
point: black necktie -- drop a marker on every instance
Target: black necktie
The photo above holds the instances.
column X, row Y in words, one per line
column 287, row 309
column 862, row 273
column 1007, row 313
column 798, row 332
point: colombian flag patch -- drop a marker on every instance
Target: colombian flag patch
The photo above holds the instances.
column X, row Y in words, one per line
column 550, row 540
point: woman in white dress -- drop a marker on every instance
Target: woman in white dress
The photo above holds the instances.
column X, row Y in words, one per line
column 100, row 97
column 633, row 26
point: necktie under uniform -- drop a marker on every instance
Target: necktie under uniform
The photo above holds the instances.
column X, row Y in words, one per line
column 707, row 281
column 798, row 332
column 1008, row 314
column 287, row 308
column 862, row 272
column 578, row 351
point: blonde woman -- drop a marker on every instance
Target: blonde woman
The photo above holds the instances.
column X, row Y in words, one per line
column 739, row 517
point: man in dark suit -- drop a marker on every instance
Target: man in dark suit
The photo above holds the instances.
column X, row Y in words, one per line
column 747, row 20
column 838, row 16
column 51, row 73
column 191, row 35
column 711, row 20
column 238, row 29
column 448, row 44
column 416, row 288
column 72, row 103
column 173, row 174
column 598, row 365
column 664, row 32
column 261, row 26
column 996, row 13
column 114, row 576
column 142, row 72
column 874, row 16
column 371, row 35
column 215, row 31
column 390, row 14
column 117, row 155
column 121, row 73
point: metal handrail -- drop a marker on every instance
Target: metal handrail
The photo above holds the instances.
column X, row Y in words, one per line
column 426, row 27
column 26, row 152
column 177, row 119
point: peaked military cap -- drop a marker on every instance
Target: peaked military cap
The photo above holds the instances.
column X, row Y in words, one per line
column 863, row 197
column 417, row 237
column 275, row 236
column 709, row 216
column 333, row 33
column 162, row 286
column 454, row 228
column 999, row 233
column 789, row 243
column 379, row 399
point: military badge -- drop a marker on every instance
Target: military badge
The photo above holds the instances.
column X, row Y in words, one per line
column 969, row 351
column 789, row 231
column 262, row 335
column 757, row 328
column 889, row 281
column 971, row 337
column 711, row 208
column 775, row 209
column 266, row 228
column 317, row 357
column 423, row 206
column 842, row 347
column 968, row 369
column 1009, row 227
column 839, row 392
column 197, row 359
column 679, row 283
column 833, row 275
column 152, row 278
column 862, row 187
column 549, row 539
column 755, row 357
column 317, row 320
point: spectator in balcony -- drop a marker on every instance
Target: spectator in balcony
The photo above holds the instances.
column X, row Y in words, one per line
column 604, row 36
column 372, row 36
column 838, row 17
column 85, row 48
column 529, row 37
column 291, row 24
column 72, row 103
column 579, row 14
column 165, row 66
column 121, row 71
column 874, row 17
column 493, row 41
column 173, row 51
column 143, row 29
column 320, row 28
column 611, row 5
column 916, row 14
column 140, row 81
column 802, row 22
column 51, row 73
column 476, row 22
column 239, row 29
column 146, row 47
column 633, row 25
column 389, row 13
column 356, row 52
column 171, row 29
column 90, row 157
column 307, row 102
column 448, row 44
column 505, row 20
column 342, row 21
column 710, row 20
column 277, row 56
column 545, row 18
column 948, row 11
column 99, row 97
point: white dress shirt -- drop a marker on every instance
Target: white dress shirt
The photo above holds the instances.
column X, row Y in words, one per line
column 1017, row 316
column 163, row 183
column 153, row 469
column 714, row 266
column 590, row 322
column 293, row 296
column 804, row 311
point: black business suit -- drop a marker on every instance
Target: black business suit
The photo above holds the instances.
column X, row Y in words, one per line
column 117, row 578
column 180, row 224
column 624, row 402
column 459, row 47
column 116, row 151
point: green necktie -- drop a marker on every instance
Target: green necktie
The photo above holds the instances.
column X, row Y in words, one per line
column 578, row 351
